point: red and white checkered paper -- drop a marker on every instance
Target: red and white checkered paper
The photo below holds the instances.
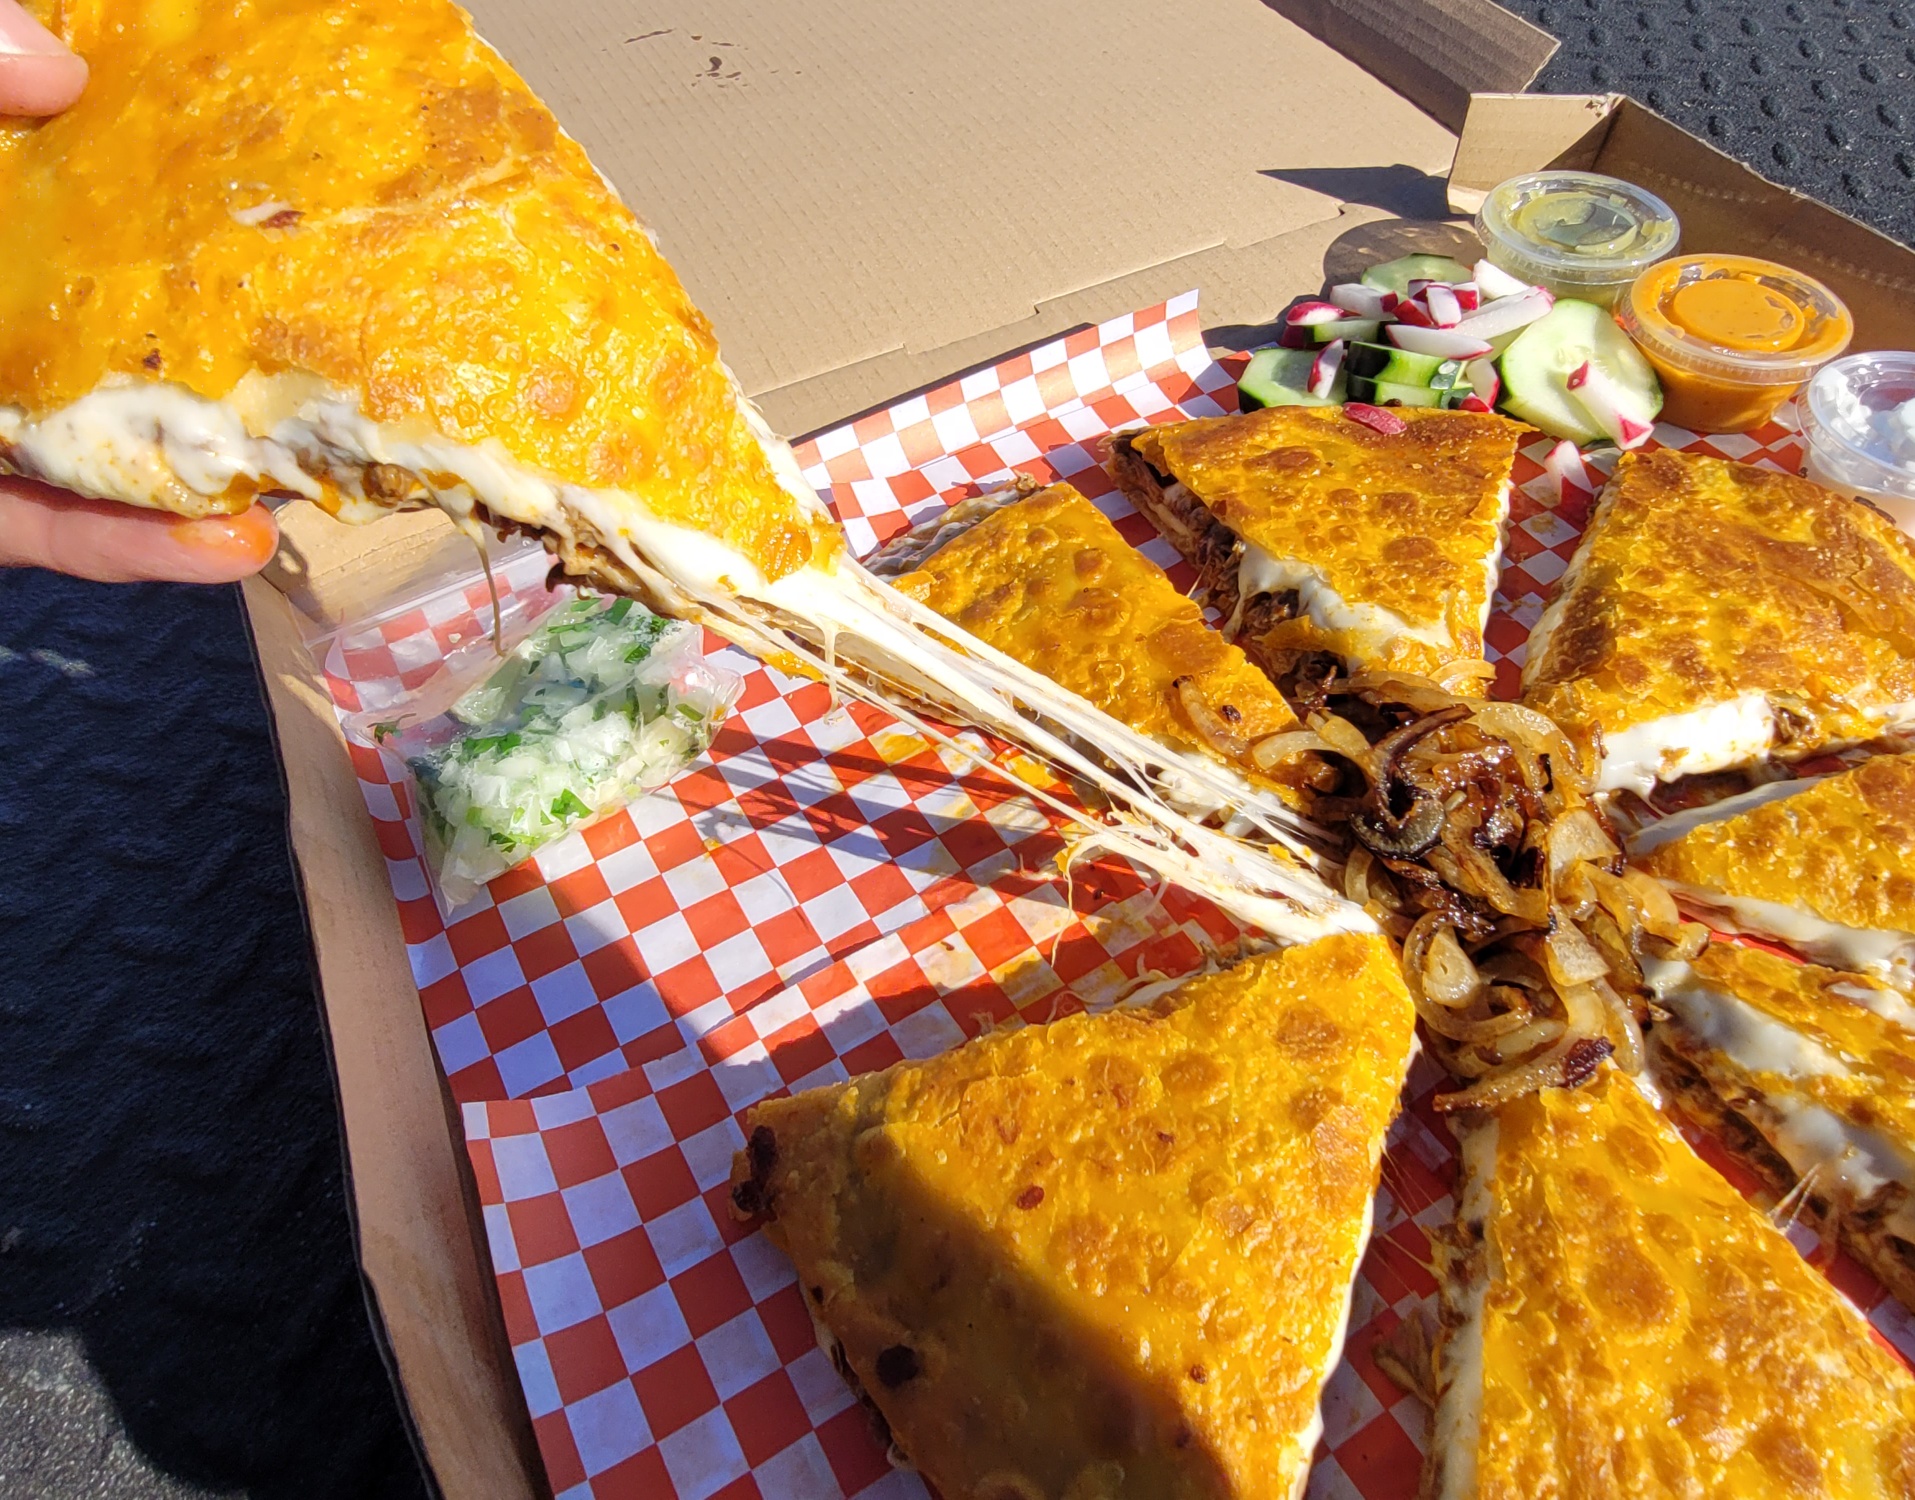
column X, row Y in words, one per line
column 827, row 894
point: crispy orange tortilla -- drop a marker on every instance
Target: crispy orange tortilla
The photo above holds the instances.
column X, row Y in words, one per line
column 1108, row 1256
column 367, row 195
column 1049, row 580
column 1646, row 1330
column 1700, row 580
column 1409, row 523
column 1842, row 850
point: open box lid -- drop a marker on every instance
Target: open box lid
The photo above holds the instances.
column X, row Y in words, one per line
column 863, row 199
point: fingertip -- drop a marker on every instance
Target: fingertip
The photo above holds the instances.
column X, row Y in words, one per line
column 35, row 85
column 224, row 549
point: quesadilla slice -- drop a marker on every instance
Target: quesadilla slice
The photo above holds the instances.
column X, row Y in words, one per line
column 1618, row 1321
column 1326, row 540
column 1824, row 864
column 1808, row 1075
column 1111, row 1256
column 322, row 249
column 1046, row 578
column 1717, row 614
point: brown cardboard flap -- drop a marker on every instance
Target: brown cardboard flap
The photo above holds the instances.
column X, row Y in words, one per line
column 1435, row 52
column 420, row 1242
column 1724, row 206
column 838, row 182
column 1242, row 286
column 1507, row 135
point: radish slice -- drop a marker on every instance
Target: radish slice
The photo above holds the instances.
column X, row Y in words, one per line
column 1445, row 310
column 1476, row 404
column 1468, row 295
column 1323, row 374
column 1483, row 379
column 1361, row 301
column 1493, row 282
column 1295, row 336
column 1564, row 465
column 1311, row 311
column 1375, row 417
column 1414, row 311
column 1606, row 403
column 1507, row 314
column 1443, row 343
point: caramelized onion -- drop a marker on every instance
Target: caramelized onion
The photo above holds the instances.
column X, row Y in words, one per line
column 1449, row 978
column 1478, row 840
column 1345, row 739
column 1655, row 906
column 1571, row 958
column 1273, row 749
column 1209, row 724
column 1576, row 836
column 1546, row 1069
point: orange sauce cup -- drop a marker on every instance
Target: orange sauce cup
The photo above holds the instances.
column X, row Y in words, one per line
column 1731, row 337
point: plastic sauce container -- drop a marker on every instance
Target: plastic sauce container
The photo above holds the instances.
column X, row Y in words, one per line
column 1859, row 420
column 1731, row 338
column 1580, row 234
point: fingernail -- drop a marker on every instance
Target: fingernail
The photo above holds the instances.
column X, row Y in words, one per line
column 22, row 36
column 229, row 546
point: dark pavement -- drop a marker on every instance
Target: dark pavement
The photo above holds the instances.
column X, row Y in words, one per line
column 179, row 1310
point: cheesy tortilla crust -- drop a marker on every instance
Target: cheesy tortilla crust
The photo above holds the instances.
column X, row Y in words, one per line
column 1410, row 524
column 1843, row 850
column 283, row 197
column 1049, row 580
column 1799, row 1036
column 1645, row 1330
column 1700, row 581
column 1111, row 1255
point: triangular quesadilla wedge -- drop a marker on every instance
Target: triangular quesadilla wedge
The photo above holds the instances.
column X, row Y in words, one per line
column 1619, row 1322
column 1046, row 578
column 1110, row 1256
column 1326, row 539
column 1824, row 864
column 325, row 249
column 1808, row 1075
column 1717, row 614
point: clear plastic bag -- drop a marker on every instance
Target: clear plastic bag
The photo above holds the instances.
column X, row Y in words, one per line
column 602, row 702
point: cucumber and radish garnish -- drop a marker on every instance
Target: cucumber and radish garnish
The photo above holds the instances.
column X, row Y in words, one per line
column 1281, row 377
column 1615, row 396
column 1427, row 331
column 1396, row 275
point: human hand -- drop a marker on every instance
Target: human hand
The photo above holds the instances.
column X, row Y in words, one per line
column 112, row 543
column 38, row 76
column 47, row 528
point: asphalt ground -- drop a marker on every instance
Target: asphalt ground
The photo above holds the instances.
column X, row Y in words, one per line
column 180, row 1313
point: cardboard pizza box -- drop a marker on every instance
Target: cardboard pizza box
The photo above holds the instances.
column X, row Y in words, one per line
column 864, row 200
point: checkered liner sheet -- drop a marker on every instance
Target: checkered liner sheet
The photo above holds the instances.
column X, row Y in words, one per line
column 826, row 894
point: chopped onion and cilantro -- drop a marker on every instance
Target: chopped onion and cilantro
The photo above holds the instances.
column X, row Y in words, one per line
column 603, row 702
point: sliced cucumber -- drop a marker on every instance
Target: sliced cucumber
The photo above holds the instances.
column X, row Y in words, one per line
column 1536, row 368
column 1394, row 366
column 1281, row 377
column 1354, row 329
column 1396, row 275
column 1390, row 392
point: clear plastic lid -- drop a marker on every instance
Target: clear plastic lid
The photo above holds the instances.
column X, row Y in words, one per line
column 1735, row 319
column 1859, row 418
column 1576, row 231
